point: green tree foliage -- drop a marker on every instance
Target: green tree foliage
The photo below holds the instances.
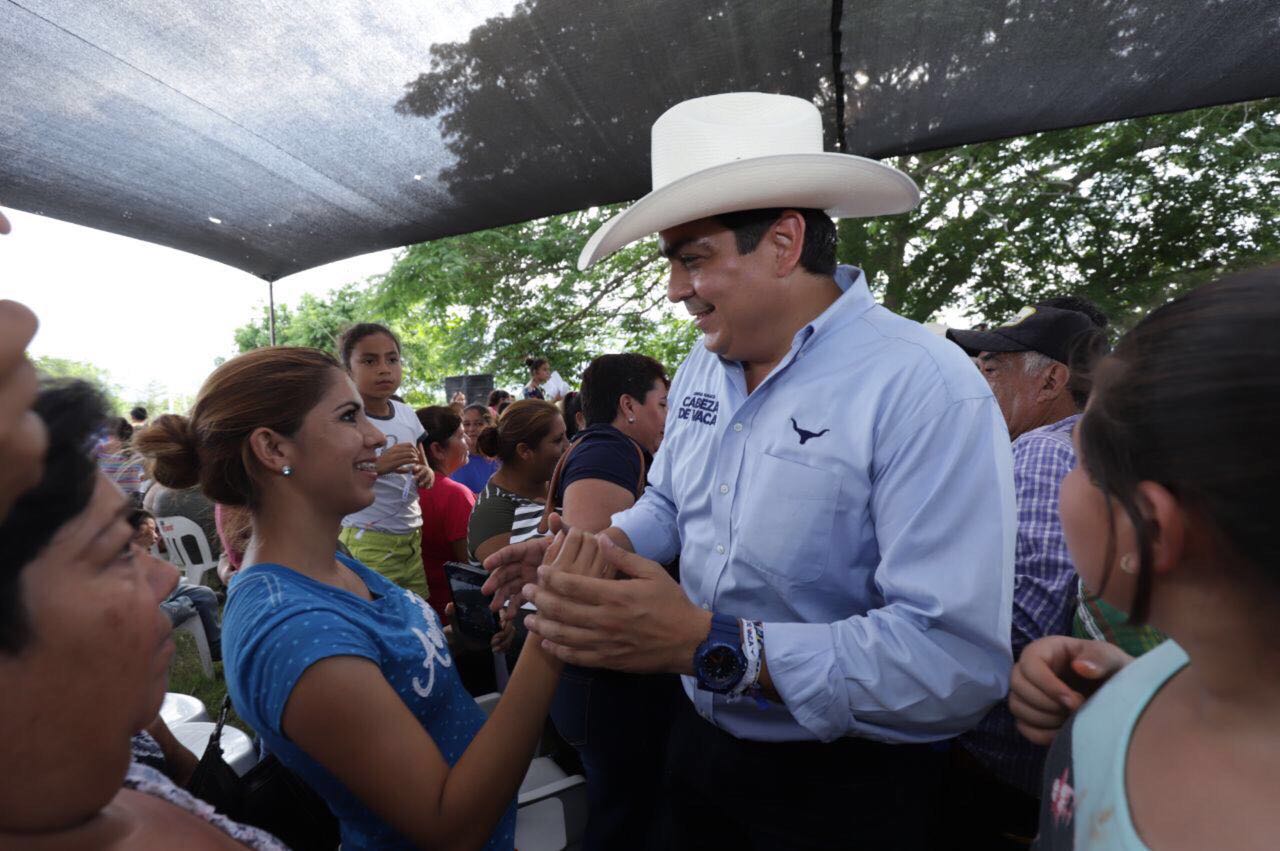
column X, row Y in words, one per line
column 64, row 368
column 491, row 298
column 1127, row 214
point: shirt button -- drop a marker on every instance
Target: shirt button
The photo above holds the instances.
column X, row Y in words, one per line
column 737, row 426
column 720, row 548
column 724, row 489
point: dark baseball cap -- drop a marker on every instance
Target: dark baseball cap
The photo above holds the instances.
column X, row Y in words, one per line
column 1050, row 331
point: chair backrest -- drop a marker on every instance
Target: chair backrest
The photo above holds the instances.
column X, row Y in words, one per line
column 188, row 548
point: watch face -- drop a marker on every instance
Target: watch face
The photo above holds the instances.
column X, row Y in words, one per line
column 722, row 667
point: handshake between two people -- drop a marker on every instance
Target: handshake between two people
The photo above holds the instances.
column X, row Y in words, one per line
column 599, row 605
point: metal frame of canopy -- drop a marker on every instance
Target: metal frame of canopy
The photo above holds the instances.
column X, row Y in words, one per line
column 279, row 139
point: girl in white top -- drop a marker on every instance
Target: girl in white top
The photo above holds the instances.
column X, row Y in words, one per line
column 1170, row 516
column 387, row 536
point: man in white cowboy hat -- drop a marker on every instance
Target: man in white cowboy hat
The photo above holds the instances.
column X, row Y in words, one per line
column 837, row 483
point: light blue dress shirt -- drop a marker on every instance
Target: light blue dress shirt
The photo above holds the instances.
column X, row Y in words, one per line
column 860, row 503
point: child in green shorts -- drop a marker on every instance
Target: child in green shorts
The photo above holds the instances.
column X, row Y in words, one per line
column 387, row 536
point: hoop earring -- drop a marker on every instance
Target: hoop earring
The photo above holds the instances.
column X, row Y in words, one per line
column 1127, row 564
column 287, row 471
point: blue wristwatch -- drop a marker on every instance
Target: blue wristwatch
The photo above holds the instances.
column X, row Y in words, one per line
column 719, row 663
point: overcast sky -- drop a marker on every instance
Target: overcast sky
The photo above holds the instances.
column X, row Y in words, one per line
column 141, row 311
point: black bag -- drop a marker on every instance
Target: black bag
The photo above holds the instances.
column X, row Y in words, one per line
column 269, row 797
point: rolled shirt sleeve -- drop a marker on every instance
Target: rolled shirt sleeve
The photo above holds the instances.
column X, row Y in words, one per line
column 650, row 524
column 930, row 661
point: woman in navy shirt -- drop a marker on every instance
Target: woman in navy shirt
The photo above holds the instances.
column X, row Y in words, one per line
column 624, row 405
column 346, row 676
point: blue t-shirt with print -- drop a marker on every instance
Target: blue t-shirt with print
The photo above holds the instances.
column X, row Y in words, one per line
column 278, row 623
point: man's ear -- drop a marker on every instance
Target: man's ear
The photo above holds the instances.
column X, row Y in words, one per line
column 787, row 242
column 271, row 450
column 1054, row 383
column 1166, row 520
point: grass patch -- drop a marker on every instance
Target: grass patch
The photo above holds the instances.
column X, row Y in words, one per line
column 187, row 677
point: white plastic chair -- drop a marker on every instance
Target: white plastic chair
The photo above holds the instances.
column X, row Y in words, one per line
column 551, row 809
column 182, row 708
column 195, row 626
column 177, row 531
column 237, row 747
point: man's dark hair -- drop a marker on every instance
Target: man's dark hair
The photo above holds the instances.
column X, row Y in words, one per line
column 72, row 412
column 1087, row 349
column 138, row 515
column 817, row 256
column 138, row 413
column 610, row 377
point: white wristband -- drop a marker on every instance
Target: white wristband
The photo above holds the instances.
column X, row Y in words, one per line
column 753, row 649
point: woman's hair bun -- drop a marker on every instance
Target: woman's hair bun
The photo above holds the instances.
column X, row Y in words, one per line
column 489, row 442
column 172, row 450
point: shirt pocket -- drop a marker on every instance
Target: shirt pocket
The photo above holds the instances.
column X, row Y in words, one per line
column 787, row 532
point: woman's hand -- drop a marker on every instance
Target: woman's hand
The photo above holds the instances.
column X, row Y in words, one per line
column 516, row 565
column 397, row 459
column 1052, row 678
column 502, row 639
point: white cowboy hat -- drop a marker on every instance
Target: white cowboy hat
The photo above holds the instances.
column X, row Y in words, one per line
column 747, row 151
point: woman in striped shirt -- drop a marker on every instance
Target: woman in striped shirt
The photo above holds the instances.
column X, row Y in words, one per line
column 528, row 439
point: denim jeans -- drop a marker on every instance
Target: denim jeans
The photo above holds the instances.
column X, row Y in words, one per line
column 188, row 600
column 618, row 723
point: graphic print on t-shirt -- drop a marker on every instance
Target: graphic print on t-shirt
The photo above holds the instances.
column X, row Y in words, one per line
column 433, row 646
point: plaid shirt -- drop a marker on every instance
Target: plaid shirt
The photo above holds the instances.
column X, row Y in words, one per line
column 1044, row 591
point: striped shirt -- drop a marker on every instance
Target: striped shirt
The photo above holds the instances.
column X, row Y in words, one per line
column 1044, row 590
column 499, row 511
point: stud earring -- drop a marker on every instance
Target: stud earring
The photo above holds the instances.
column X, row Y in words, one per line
column 287, row 471
column 1127, row 564
column 631, row 419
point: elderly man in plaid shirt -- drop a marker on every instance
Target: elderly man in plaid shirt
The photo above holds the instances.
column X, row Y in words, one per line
column 1038, row 368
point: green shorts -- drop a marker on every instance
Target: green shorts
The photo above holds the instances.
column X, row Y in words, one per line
column 397, row 557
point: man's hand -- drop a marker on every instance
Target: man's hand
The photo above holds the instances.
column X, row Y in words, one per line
column 23, row 439
column 1052, row 678
column 516, row 565
column 645, row 624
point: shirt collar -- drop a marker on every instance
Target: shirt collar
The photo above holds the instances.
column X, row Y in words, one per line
column 855, row 300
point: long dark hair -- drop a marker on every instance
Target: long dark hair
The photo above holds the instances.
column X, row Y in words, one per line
column 439, row 423
column 71, row 411
column 1190, row 399
column 352, row 336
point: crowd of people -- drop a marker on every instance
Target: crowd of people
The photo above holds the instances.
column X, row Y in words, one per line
column 840, row 582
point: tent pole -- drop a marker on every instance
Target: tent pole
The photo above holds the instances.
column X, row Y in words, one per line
column 271, row 298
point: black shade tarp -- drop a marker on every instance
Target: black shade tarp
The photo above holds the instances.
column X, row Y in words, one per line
column 279, row 136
